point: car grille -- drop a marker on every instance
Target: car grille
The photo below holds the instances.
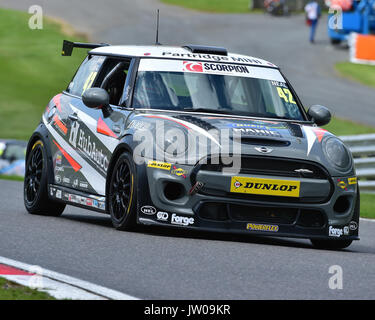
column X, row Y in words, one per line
column 270, row 166
column 305, row 218
column 267, row 166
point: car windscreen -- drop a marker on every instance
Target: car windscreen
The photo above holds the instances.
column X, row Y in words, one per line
column 214, row 87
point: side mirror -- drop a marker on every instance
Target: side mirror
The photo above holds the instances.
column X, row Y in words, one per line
column 319, row 114
column 97, row 98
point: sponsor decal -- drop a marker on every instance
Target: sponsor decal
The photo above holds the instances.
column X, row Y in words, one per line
column 262, row 227
column 238, row 184
column 192, row 66
column 150, row 210
column 75, row 165
column 353, row 225
column 346, row 230
column 138, row 125
column 279, row 84
column 225, row 68
column 159, row 165
column 342, row 184
column 261, row 125
column 84, row 201
column 272, row 187
column 58, row 160
column 52, row 191
column 183, row 221
column 59, row 169
column 83, row 184
column 208, row 67
column 87, row 146
column 101, row 205
column 179, row 172
column 162, row 216
column 196, row 187
column 257, row 132
column 335, row 232
column 240, row 59
column 73, row 198
column 195, row 56
column 352, row 180
column 58, row 194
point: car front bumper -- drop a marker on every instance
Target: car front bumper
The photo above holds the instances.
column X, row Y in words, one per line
column 187, row 197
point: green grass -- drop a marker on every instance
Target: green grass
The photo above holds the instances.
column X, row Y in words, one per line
column 217, row 6
column 12, row 291
column 32, row 71
column 342, row 127
column 13, row 178
column 368, row 205
column 364, row 74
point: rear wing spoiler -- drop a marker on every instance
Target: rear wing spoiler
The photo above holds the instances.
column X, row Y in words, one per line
column 68, row 46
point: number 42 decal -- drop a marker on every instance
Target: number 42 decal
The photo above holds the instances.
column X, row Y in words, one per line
column 285, row 94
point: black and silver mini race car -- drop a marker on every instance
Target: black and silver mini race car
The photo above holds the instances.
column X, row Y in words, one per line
column 191, row 137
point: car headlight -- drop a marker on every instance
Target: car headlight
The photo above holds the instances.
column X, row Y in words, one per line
column 173, row 142
column 337, row 153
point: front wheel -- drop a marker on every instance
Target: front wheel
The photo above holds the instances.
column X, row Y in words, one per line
column 35, row 184
column 121, row 194
column 331, row 244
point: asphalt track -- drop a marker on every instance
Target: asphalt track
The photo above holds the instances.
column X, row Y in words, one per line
column 153, row 263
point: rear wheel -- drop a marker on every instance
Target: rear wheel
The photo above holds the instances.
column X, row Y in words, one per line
column 121, row 195
column 331, row 244
column 35, row 184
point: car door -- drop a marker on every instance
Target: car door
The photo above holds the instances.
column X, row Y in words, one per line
column 66, row 121
column 94, row 134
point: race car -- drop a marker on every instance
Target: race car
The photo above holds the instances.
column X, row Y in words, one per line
column 191, row 137
column 12, row 157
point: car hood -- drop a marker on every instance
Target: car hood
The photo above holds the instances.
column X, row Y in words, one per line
column 275, row 138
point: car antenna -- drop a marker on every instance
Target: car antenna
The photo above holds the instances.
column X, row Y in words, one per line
column 157, row 29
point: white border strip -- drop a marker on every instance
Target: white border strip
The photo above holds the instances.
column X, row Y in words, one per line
column 84, row 285
column 367, row 219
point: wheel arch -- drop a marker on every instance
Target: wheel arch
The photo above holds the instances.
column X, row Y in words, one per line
column 41, row 133
column 124, row 146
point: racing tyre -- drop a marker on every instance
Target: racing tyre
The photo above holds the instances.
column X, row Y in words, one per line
column 121, row 195
column 35, row 184
column 331, row 244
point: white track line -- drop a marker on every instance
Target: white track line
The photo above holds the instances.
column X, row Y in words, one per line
column 90, row 288
column 367, row 220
